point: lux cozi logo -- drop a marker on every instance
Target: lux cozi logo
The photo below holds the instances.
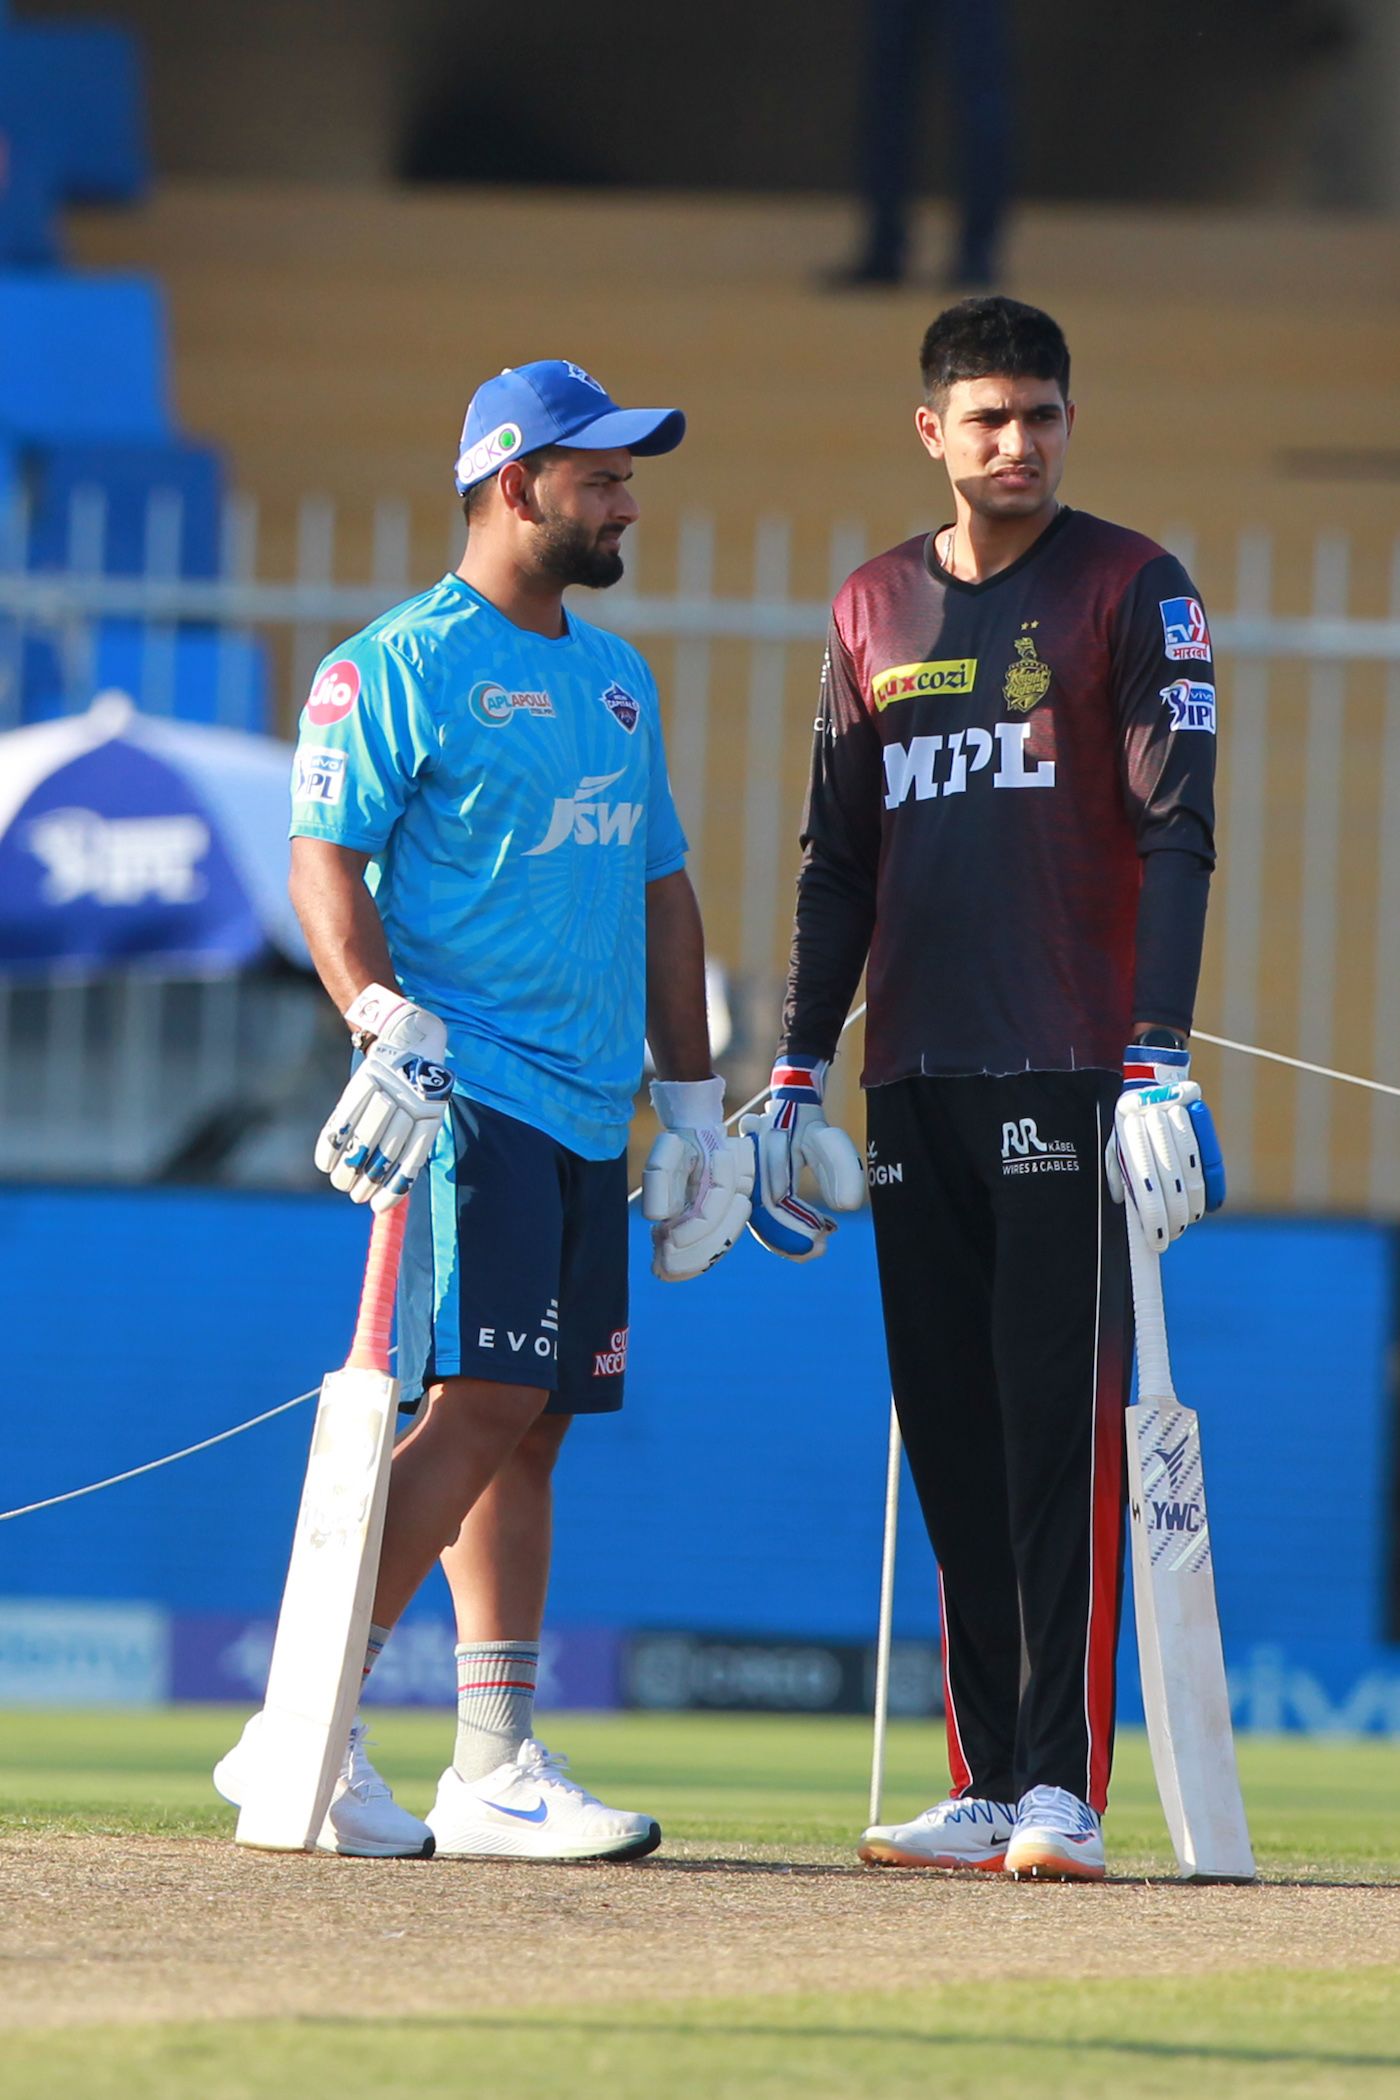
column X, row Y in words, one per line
column 958, row 755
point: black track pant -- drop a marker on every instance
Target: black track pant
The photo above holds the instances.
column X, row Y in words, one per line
column 1004, row 1275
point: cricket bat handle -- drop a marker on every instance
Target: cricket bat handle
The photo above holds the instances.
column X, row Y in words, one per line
column 370, row 1349
column 1149, row 1317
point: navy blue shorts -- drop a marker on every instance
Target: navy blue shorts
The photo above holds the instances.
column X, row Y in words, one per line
column 515, row 1265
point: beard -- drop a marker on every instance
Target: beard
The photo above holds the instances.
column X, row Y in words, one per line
column 566, row 551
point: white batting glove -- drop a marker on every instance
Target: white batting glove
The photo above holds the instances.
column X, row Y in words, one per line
column 385, row 1123
column 792, row 1133
column 696, row 1182
column 1164, row 1155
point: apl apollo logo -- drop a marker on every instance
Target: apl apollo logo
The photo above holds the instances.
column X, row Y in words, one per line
column 493, row 706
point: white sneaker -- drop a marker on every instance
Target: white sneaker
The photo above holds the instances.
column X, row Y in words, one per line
column 971, row 1833
column 1057, row 1837
column 363, row 1821
column 526, row 1809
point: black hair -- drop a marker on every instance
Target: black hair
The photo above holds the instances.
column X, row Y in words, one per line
column 991, row 338
column 474, row 498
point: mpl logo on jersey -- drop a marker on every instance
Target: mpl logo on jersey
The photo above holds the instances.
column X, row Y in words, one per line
column 955, row 674
column 1187, row 637
column 493, row 706
column 1192, row 706
column 914, row 767
column 622, row 707
column 335, row 692
column 589, row 821
column 1025, row 1151
column 320, row 776
column 612, row 1361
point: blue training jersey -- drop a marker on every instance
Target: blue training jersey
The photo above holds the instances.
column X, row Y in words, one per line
column 512, row 791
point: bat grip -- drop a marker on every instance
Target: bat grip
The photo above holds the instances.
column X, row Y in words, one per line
column 1149, row 1315
column 370, row 1349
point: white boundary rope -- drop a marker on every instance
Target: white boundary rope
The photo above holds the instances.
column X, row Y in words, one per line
column 1299, row 1064
column 1221, row 1042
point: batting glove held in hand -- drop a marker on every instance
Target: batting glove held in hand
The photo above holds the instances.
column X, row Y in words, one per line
column 1164, row 1153
column 792, row 1133
column 385, row 1123
column 696, row 1182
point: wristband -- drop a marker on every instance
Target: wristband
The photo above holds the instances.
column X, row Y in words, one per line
column 371, row 1011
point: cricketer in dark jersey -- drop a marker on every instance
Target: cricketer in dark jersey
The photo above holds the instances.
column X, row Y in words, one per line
column 1011, row 814
column 992, row 762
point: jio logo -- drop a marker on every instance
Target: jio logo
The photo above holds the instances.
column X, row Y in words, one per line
column 334, row 693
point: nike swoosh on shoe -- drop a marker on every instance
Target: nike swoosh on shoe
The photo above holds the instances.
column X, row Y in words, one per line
column 537, row 1814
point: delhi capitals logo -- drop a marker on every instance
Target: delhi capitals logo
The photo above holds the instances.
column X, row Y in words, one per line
column 622, row 707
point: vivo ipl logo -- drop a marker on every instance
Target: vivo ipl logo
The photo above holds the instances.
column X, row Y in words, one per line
column 1192, row 706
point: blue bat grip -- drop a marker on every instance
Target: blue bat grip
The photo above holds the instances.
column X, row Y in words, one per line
column 1212, row 1159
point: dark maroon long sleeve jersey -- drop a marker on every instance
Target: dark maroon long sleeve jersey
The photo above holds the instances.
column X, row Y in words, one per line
column 1011, row 808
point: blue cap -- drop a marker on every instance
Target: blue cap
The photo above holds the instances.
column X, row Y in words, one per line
column 554, row 403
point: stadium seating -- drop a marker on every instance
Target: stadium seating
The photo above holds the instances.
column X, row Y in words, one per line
column 72, row 124
column 81, row 358
column 160, row 504
column 85, row 429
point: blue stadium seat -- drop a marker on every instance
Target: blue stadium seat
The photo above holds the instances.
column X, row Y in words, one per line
column 200, row 673
column 136, row 482
column 9, row 487
column 196, row 673
column 85, row 80
column 29, row 190
column 81, row 358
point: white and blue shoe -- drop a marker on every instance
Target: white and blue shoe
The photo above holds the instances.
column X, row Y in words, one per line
column 969, row 1834
column 527, row 1809
column 364, row 1821
column 1057, row 1837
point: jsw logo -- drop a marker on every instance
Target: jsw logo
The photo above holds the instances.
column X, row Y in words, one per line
column 914, row 764
column 588, row 822
column 1177, row 1516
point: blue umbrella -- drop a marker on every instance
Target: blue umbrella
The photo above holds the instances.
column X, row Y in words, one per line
column 130, row 839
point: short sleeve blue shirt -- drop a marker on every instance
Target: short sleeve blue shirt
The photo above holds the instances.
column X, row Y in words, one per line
column 512, row 791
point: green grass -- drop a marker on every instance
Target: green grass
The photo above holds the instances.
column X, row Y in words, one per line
column 1322, row 1813
column 1230, row 2037
column 1320, row 1810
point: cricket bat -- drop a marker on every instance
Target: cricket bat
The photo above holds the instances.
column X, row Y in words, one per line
column 313, row 1684
column 1178, row 1629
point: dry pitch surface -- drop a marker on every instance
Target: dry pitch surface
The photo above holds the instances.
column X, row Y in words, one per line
column 103, row 1929
column 142, row 1953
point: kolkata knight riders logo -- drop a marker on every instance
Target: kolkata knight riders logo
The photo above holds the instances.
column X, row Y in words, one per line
column 1028, row 679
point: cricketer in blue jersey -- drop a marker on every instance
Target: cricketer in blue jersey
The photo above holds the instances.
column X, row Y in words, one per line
column 489, row 869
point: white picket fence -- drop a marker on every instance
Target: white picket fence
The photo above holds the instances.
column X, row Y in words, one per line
column 1319, row 686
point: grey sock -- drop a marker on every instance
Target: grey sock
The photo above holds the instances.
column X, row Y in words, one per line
column 378, row 1635
column 495, row 1703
